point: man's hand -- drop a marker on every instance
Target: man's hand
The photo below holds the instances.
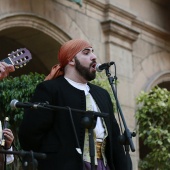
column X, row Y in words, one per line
column 9, row 137
column 5, row 69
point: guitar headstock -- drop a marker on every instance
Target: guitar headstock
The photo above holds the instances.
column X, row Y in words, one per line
column 20, row 57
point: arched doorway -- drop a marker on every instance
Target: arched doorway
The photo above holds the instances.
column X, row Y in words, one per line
column 43, row 48
column 41, row 37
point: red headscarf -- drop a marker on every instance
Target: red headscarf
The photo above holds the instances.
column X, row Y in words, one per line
column 66, row 53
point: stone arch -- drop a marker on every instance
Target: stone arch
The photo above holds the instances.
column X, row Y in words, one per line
column 36, row 22
column 32, row 26
column 154, row 69
column 159, row 78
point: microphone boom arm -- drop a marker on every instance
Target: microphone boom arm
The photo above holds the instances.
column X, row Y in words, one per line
column 16, row 104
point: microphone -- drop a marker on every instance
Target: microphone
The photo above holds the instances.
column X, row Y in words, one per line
column 16, row 104
column 101, row 67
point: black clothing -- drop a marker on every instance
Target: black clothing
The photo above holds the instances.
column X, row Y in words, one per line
column 51, row 132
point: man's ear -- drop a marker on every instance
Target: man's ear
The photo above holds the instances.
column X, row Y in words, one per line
column 72, row 62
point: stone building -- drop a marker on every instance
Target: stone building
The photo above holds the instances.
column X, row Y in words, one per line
column 135, row 34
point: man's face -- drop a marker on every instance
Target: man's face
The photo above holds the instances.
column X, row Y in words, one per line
column 85, row 63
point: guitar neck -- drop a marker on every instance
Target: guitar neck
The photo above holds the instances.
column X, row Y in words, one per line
column 18, row 58
column 7, row 60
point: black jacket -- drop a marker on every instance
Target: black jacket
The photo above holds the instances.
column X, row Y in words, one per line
column 51, row 132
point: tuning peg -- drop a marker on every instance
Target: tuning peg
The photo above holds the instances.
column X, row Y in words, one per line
column 21, row 66
column 16, row 67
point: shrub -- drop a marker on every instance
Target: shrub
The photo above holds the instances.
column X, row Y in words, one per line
column 153, row 116
column 20, row 88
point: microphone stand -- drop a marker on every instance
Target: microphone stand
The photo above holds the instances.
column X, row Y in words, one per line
column 29, row 158
column 126, row 138
column 88, row 121
column 55, row 108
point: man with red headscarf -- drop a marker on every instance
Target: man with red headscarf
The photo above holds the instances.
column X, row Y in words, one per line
column 61, row 134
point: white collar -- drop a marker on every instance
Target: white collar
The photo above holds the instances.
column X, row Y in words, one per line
column 79, row 86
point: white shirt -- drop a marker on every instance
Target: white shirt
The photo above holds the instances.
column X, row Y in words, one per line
column 9, row 158
column 99, row 129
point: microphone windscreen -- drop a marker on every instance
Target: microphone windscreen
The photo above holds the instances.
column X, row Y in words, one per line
column 97, row 68
column 13, row 103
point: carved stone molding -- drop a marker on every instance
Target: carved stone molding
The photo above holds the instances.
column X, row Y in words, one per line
column 107, row 8
column 114, row 29
column 152, row 29
column 33, row 21
column 121, row 16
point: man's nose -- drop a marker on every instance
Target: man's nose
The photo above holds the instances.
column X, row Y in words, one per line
column 93, row 57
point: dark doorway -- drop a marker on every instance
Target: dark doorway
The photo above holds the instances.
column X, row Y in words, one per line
column 44, row 49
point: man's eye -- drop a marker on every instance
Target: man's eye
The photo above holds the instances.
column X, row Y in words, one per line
column 86, row 53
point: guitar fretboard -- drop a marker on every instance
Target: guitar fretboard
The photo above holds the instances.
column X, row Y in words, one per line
column 7, row 60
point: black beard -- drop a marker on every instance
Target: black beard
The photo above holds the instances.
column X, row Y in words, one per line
column 84, row 71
